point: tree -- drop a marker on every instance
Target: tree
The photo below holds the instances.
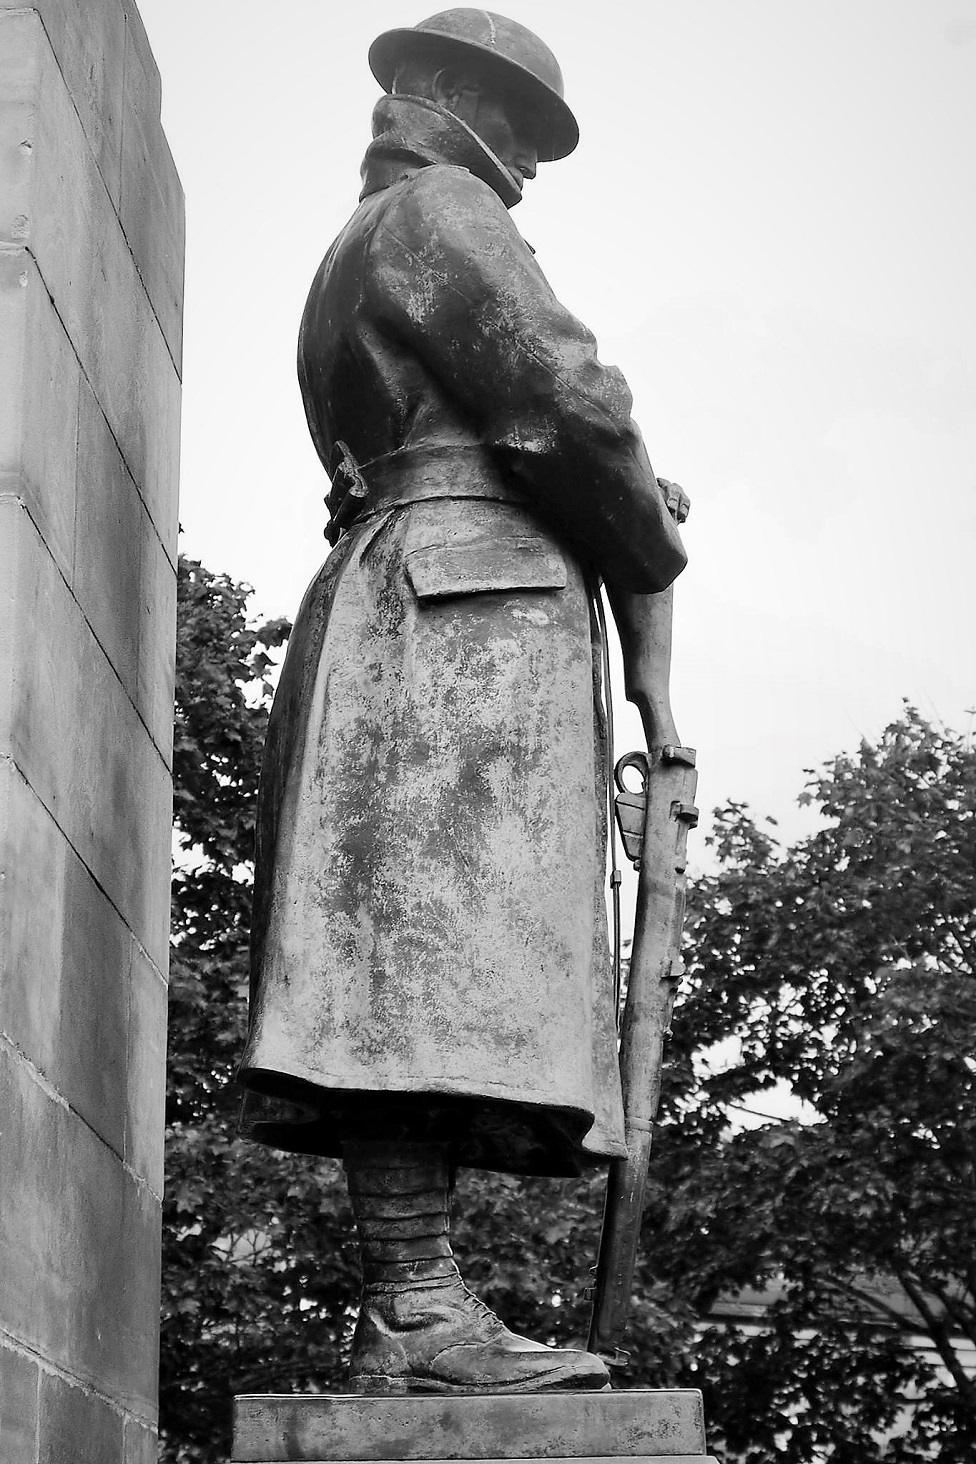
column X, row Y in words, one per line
column 841, row 969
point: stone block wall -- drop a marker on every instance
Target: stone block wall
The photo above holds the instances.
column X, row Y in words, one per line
column 91, row 279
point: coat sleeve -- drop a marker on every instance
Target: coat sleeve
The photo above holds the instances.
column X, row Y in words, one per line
column 451, row 279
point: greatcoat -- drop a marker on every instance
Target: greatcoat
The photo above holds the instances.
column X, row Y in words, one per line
column 429, row 926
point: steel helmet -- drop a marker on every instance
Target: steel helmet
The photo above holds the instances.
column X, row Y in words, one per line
column 513, row 51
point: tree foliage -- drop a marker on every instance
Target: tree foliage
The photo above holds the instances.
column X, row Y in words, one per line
column 841, row 969
column 844, row 970
column 255, row 1256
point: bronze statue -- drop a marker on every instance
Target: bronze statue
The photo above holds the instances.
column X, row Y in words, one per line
column 432, row 983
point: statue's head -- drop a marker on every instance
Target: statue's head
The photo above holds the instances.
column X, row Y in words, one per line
column 492, row 73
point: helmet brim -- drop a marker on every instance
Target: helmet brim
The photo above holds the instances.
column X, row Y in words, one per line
column 558, row 128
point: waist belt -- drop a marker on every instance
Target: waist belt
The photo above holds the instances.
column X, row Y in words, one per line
column 416, row 475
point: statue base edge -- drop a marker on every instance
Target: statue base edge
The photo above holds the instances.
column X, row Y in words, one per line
column 639, row 1426
column 562, row 1459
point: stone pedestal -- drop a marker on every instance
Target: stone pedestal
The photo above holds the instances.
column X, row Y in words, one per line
column 91, row 271
column 663, row 1427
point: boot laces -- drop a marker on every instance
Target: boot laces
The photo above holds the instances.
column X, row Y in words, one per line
column 481, row 1308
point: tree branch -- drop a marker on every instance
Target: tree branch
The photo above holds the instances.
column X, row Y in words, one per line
column 962, row 1315
column 870, row 1299
column 939, row 1333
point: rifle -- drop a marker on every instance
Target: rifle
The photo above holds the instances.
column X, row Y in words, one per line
column 654, row 826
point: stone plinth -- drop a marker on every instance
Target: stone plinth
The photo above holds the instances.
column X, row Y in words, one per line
column 91, row 270
column 663, row 1427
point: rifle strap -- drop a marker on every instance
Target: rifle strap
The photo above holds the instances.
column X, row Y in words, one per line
column 615, row 875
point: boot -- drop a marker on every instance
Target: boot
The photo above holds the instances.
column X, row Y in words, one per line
column 420, row 1329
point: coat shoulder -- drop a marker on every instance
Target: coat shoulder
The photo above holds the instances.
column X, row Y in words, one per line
column 444, row 201
column 443, row 183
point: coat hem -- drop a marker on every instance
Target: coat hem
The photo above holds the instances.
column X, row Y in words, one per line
column 498, row 1130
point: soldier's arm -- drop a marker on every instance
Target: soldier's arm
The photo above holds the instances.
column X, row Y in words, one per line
column 644, row 626
column 452, row 280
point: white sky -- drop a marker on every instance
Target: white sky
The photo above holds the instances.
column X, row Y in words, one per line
column 769, row 225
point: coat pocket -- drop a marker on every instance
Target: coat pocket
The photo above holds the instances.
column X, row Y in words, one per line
column 484, row 566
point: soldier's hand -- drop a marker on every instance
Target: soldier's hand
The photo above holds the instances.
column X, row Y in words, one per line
column 679, row 504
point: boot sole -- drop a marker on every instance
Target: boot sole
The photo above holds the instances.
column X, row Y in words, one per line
column 378, row 1383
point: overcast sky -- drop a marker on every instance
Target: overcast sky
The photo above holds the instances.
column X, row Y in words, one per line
column 769, row 225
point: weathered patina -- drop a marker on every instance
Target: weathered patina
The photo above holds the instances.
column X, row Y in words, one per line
column 430, row 917
column 432, row 983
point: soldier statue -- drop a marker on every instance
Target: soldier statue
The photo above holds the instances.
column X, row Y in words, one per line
column 432, row 985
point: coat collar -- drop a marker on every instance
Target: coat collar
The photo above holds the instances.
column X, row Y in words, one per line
column 410, row 133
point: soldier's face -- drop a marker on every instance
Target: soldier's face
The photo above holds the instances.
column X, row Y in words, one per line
column 503, row 121
column 503, row 125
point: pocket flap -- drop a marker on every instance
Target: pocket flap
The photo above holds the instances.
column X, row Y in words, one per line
column 439, row 571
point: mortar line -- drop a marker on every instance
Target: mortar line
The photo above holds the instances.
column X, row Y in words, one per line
column 6, row 757
column 20, row 1347
column 98, row 402
column 31, row 10
column 39, row 1078
column 20, row 499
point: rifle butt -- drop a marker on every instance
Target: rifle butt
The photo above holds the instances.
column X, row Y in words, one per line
column 619, row 1241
